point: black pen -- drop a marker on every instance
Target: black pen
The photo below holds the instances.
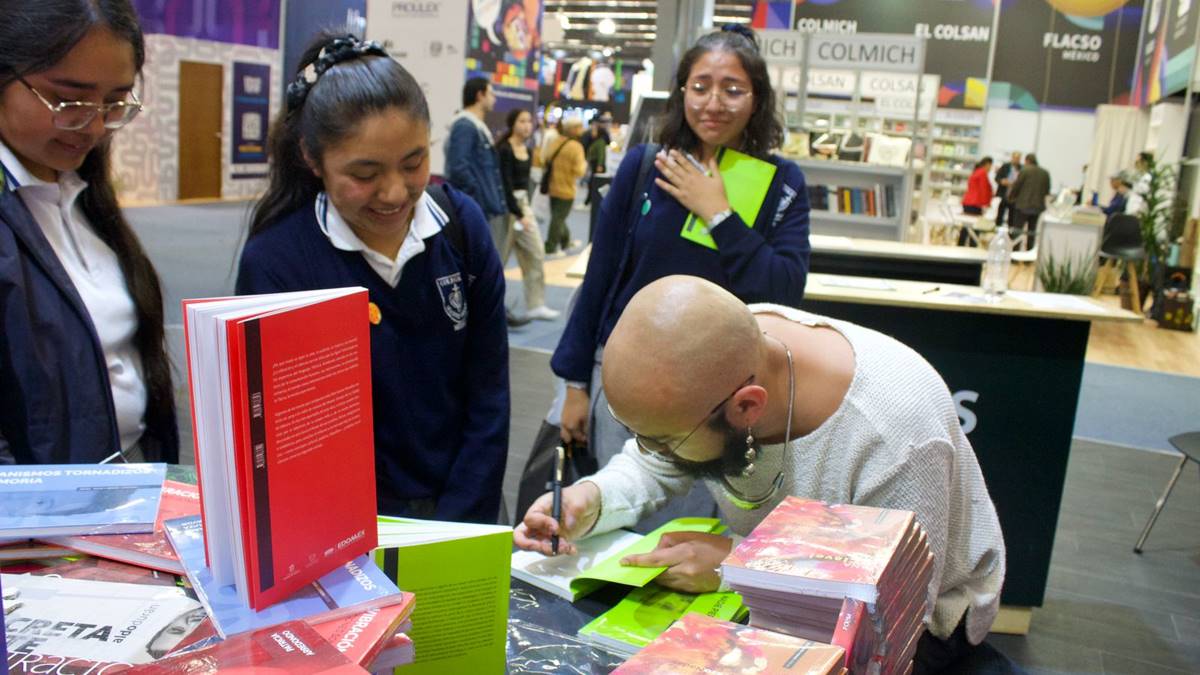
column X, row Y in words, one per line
column 556, row 508
column 931, row 290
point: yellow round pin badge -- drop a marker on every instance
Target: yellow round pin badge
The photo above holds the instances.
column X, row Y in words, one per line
column 373, row 313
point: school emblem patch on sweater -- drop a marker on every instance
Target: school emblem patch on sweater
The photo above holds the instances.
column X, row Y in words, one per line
column 454, row 300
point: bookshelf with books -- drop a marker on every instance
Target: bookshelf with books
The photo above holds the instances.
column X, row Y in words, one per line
column 853, row 199
column 951, row 153
column 863, row 119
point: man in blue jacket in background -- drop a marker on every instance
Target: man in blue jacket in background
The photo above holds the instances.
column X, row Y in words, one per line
column 472, row 165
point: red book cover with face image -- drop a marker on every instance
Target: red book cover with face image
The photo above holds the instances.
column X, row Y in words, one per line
column 821, row 548
column 701, row 644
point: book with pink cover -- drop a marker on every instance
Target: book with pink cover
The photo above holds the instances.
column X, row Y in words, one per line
column 149, row 549
column 805, row 545
column 292, row 648
column 700, row 644
column 362, row 637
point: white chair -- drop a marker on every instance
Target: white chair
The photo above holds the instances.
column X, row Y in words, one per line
column 1024, row 258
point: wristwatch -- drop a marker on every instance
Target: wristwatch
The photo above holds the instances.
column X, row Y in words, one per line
column 719, row 218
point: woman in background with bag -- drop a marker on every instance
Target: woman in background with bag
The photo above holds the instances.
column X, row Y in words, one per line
column 523, row 235
column 564, row 167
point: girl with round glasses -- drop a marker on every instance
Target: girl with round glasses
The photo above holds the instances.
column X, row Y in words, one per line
column 722, row 98
column 84, row 375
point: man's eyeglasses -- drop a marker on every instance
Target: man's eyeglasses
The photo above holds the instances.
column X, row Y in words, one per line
column 75, row 115
column 732, row 96
column 651, row 446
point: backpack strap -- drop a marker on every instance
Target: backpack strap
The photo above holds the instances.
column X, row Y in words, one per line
column 640, row 189
column 453, row 230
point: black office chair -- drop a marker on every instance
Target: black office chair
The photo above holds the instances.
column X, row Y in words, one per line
column 1122, row 242
column 1189, row 445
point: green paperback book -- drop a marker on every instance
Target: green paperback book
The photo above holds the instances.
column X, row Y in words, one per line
column 457, row 572
column 746, row 181
column 598, row 560
column 646, row 612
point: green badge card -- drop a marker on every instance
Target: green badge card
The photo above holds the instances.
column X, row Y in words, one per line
column 746, row 181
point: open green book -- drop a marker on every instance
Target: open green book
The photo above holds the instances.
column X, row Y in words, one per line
column 449, row 566
column 746, row 180
column 646, row 612
column 598, row 560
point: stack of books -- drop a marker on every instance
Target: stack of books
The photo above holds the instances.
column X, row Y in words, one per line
column 701, row 644
column 854, row 576
column 281, row 395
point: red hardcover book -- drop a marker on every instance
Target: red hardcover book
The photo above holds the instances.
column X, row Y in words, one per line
column 284, row 425
column 147, row 550
column 701, row 644
column 292, row 648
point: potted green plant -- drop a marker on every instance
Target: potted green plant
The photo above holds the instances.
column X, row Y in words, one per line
column 1075, row 276
column 1156, row 217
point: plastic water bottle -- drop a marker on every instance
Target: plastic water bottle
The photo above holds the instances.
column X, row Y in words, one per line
column 999, row 259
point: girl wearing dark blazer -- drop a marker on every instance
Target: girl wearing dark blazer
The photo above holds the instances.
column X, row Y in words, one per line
column 84, row 375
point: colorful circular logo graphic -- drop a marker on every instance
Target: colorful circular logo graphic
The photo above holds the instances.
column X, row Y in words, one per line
column 1087, row 7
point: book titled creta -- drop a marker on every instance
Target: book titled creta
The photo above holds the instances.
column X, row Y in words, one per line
column 67, row 499
column 281, row 408
column 51, row 620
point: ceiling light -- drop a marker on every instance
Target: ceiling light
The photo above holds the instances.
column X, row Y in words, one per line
column 606, row 26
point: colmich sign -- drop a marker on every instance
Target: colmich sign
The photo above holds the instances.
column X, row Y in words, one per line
column 867, row 51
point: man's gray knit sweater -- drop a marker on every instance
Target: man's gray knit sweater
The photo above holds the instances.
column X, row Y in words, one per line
column 894, row 442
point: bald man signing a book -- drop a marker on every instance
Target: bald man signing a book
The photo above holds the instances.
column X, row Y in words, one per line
column 712, row 389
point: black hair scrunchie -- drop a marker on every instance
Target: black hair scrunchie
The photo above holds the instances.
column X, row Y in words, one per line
column 743, row 30
column 336, row 51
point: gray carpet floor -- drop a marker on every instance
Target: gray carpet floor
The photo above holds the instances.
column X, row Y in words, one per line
column 1136, row 408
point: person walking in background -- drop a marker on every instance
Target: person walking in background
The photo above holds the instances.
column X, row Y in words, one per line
column 1005, row 175
column 595, row 143
column 978, row 197
column 1028, row 198
column 473, row 167
column 566, row 165
column 84, row 373
column 522, row 233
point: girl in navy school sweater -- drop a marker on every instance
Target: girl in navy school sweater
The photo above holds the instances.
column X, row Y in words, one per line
column 722, row 98
column 347, row 206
